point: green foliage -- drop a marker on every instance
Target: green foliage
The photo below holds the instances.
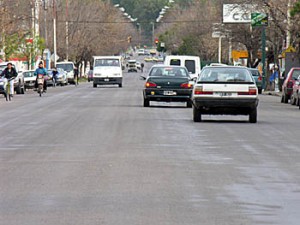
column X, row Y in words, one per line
column 296, row 9
column 188, row 46
column 11, row 43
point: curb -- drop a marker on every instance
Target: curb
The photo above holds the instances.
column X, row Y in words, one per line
column 273, row 93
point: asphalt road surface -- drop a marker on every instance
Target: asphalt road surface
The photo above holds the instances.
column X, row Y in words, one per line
column 95, row 156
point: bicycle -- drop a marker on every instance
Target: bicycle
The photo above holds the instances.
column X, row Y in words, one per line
column 8, row 95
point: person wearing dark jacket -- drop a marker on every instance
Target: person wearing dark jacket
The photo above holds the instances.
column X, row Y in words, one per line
column 9, row 74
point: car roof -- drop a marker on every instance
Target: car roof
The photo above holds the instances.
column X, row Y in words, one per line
column 163, row 66
column 225, row 67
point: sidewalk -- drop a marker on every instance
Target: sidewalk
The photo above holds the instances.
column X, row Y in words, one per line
column 274, row 93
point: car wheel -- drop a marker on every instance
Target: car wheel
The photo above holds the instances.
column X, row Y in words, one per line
column 259, row 91
column 189, row 104
column 197, row 117
column 253, row 116
column 285, row 98
column 146, row 102
column 94, row 85
column 22, row 90
column 293, row 100
column 297, row 101
column 120, row 85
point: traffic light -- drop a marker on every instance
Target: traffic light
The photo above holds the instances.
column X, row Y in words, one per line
column 156, row 41
column 129, row 39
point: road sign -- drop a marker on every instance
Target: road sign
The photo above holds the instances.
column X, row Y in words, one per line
column 259, row 19
column 162, row 44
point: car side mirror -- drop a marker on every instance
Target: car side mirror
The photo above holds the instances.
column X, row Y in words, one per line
column 142, row 78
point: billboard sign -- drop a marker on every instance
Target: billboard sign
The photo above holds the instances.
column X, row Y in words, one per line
column 237, row 13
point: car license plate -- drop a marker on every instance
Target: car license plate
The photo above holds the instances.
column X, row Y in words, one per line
column 223, row 94
column 106, row 79
column 170, row 93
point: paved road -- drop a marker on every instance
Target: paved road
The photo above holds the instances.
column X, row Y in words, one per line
column 85, row 156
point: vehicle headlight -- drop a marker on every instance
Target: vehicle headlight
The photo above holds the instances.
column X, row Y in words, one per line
column 117, row 74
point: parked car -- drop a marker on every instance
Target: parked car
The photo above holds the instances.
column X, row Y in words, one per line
column 225, row 90
column 257, row 77
column 168, row 84
column 29, row 79
column 62, row 78
column 19, row 86
column 295, row 93
column 287, row 87
column 2, row 91
column 90, row 75
column 49, row 78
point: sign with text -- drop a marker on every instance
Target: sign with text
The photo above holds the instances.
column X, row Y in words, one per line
column 259, row 19
column 238, row 13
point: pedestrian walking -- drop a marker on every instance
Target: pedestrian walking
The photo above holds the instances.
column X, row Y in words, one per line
column 142, row 67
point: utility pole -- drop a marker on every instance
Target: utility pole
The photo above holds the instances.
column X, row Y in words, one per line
column 153, row 28
column 288, row 32
column 54, row 33
column 67, row 32
column 45, row 21
column 220, row 49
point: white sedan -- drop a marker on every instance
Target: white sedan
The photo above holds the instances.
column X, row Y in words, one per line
column 225, row 90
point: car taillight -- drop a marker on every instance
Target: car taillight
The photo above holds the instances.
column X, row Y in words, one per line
column 260, row 78
column 199, row 91
column 150, row 85
column 186, row 85
column 251, row 91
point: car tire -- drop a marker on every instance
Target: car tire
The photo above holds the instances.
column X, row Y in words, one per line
column 22, row 90
column 94, row 85
column 285, row 98
column 120, row 85
column 197, row 117
column 297, row 101
column 293, row 100
column 259, row 91
column 146, row 103
column 189, row 104
column 253, row 116
column 18, row 89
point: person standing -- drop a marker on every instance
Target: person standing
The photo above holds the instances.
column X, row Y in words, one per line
column 9, row 74
column 76, row 74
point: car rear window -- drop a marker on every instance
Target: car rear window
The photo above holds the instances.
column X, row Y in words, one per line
column 169, row 71
column 225, row 75
column 190, row 65
column 296, row 74
column 29, row 74
column 175, row 62
column 107, row 62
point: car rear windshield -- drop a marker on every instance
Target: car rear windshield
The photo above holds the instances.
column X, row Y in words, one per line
column 296, row 74
column 29, row 74
column 66, row 67
column 175, row 62
column 226, row 75
column 107, row 62
column 169, row 71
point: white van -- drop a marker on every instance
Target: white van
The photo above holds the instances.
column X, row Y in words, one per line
column 192, row 63
column 107, row 70
column 69, row 68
